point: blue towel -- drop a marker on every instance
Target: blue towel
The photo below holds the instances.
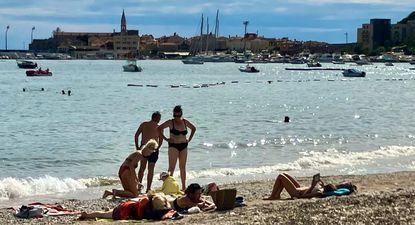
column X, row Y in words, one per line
column 338, row 192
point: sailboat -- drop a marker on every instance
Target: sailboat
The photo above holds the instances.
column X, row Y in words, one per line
column 196, row 60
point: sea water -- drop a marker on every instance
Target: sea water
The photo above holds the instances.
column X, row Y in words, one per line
column 55, row 146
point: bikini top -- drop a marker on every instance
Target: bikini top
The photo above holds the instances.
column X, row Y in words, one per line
column 178, row 132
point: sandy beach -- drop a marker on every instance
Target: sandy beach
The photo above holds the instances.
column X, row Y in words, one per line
column 381, row 199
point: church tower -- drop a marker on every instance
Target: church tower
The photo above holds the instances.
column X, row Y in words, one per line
column 123, row 23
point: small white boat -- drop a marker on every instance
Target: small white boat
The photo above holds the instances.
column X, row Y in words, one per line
column 131, row 66
column 313, row 64
column 193, row 60
column 388, row 64
column 248, row 69
column 26, row 64
column 353, row 73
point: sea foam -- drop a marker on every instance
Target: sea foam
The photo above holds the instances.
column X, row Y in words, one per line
column 11, row 188
column 315, row 160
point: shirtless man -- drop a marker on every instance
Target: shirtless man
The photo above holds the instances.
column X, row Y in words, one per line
column 148, row 130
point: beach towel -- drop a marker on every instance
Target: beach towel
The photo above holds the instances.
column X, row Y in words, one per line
column 54, row 210
column 338, row 192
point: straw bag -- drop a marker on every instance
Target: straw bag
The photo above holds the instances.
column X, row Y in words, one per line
column 224, row 199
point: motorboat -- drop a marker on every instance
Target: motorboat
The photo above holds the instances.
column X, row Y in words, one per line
column 363, row 62
column 38, row 73
column 25, row 64
column 248, row 69
column 131, row 66
column 338, row 62
column 353, row 73
column 388, row 64
column 193, row 60
column 313, row 64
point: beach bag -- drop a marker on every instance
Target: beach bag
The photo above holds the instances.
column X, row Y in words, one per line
column 347, row 185
column 224, row 199
column 29, row 212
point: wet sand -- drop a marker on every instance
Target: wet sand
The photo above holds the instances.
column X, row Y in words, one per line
column 381, row 199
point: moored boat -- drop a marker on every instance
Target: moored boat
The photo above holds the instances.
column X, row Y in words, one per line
column 131, row 66
column 313, row 64
column 38, row 73
column 353, row 73
column 248, row 69
column 25, row 64
column 193, row 60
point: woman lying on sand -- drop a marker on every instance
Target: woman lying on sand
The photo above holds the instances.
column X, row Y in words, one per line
column 127, row 174
column 192, row 198
column 295, row 190
column 151, row 207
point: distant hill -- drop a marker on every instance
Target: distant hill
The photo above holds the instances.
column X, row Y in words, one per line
column 410, row 17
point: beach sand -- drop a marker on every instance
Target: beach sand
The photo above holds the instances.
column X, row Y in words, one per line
column 381, row 199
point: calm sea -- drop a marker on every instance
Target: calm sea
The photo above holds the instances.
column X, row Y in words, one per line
column 57, row 145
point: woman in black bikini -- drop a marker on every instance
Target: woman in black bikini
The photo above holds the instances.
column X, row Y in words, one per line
column 178, row 141
column 127, row 174
column 192, row 198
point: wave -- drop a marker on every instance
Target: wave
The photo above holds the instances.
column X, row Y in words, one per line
column 11, row 188
column 313, row 160
column 330, row 159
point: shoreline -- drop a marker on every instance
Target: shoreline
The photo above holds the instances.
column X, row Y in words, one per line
column 386, row 198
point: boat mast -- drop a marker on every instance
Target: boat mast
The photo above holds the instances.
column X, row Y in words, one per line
column 201, row 34
column 207, row 35
column 216, row 29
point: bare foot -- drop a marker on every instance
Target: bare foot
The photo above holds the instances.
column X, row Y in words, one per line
column 106, row 194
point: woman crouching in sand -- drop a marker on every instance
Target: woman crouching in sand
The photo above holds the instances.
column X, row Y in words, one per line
column 128, row 175
column 294, row 189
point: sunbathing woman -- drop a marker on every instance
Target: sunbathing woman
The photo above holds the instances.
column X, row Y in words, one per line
column 127, row 174
column 151, row 207
column 178, row 141
column 192, row 198
column 294, row 189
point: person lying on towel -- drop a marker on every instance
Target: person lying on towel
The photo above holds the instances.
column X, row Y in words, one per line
column 192, row 198
column 152, row 207
column 317, row 188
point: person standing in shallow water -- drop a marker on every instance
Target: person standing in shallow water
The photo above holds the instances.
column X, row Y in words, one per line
column 148, row 130
column 178, row 141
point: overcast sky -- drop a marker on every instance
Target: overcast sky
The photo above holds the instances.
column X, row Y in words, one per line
column 320, row 20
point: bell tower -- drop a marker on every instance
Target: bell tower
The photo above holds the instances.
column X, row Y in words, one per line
column 123, row 23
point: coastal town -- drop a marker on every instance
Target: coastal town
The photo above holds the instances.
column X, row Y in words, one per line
column 207, row 112
column 379, row 40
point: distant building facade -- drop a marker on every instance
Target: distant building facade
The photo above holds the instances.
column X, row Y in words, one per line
column 124, row 44
column 402, row 33
column 381, row 33
column 127, row 42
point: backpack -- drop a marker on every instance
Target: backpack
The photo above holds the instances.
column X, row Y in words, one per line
column 29, row 212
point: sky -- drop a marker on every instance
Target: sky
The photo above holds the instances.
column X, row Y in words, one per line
column 318, row 20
